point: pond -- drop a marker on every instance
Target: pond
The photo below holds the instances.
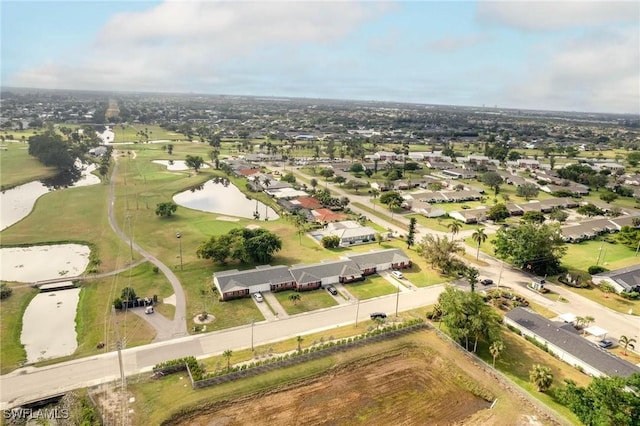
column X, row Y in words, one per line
column 174, row 165
column 37, row 263
column 49, row 326
column 16, row 203
column 221, row 196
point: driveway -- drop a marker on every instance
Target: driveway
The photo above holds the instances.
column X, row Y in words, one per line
column 275, row 305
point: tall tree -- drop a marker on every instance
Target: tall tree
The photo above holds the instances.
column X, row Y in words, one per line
column 454, row 228
column 535, row 247
column 528, row 191
column 496, row 348
column 472, row 274
column 541, row 377
column 438, row 251
column 411, row 236
column 626, row 342
column 493, row 180
column 166, row 209
column 479, row 237
column 194, row 162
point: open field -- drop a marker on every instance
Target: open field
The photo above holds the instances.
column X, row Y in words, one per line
column 18, row 167
column 309, row 300
column 415, row 379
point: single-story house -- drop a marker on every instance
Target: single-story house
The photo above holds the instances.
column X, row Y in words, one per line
column 424, row 208
column 380, row 260
column 470, row 216
column 233, row 284
column 327, row 215
column 625, row 280
column 587, row 230
column 351, row 233
column 514, row 209
column 574, row 188
column 459, row 173
column 569, row 346
column 461, row 196
column 309, row 277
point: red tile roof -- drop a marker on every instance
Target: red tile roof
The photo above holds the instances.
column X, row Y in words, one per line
column 248, row 172
column 309, row 202
column 326, row 215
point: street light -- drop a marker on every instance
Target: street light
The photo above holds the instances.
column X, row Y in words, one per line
column 397, row 299
column 178, row 236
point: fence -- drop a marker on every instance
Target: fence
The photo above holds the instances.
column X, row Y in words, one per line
column 506, row 382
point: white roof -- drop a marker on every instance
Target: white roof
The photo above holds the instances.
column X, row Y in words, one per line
column 568, row 317
column 596, row 331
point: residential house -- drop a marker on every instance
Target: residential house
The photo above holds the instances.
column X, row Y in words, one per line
column 563, row 342
column 471, row 215
column 625, row 280
column 424, row 208
column 632, row 180
column 327, row 215
column 380, row 260
column 351, row 233
column 514, row 209
column 233, row 284
column 572, row 187
column 459, row 173
column 525, row 163
column 309, row 277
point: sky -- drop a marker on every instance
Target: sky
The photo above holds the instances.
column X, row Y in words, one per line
column 550, row 55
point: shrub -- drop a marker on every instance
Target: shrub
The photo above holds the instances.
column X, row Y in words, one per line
column 634, row 295
column 596, row 269
column 5, row 291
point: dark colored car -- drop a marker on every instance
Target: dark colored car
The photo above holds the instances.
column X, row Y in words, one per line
column 331, row 289
column 486, row 282
column 605, row 343
column 378, row 315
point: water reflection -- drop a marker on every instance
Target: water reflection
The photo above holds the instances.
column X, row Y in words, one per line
column 16, row 203
column 219, row 195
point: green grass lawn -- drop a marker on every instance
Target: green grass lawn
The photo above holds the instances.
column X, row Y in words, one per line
column 613, row 256
column 18, row 167
column 12, row 353
column 309, row 301
column 373, row 286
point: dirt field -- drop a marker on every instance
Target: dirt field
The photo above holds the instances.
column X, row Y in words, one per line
column 406, row 388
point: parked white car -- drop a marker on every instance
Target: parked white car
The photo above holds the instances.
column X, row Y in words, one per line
column 397, row 274
column 258, row 297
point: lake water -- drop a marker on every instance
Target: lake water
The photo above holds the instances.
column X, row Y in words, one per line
column 224, row 198
column 37, row 263
column 48, row 325
column 176, row 164
column 17, row 203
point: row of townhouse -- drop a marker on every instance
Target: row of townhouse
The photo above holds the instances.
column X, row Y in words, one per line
column 590, row 229
column 233, row 284
column 544, row 206
column 565, row 342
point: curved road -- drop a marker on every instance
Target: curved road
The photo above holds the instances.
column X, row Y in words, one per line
column 165, row 329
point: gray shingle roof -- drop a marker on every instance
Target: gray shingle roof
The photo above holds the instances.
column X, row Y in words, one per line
column 237, row 280
column 310, row 273
column 573, row 344
column 628, row 278
column 368, row 260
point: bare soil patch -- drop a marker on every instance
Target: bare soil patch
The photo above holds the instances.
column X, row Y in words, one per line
column 400, row 390
column 227, row 219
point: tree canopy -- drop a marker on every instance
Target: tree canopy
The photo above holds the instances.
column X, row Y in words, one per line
column 438, row 251
column 244, row 245
column 528, row 191
column 166, row 209
column 533, row 246
column 194, row 162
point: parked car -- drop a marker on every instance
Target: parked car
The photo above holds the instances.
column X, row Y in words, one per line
column 258, row 297
column 331, row 289
column 375, row 315
column 486, row 281
column 149, row 310
column 397, row 274
column 605, row 343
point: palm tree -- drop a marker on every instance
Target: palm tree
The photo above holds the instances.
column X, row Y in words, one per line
column 496, row 349
column 374, row 195
column 295, row 298
column 455, row 227
column 541, row 377
column 313, row 183
column 299, row 339
column 624, row 340
column 266, row 182
column 479, row 237
column 392, row 205
column 227, row 354
column 379, row 321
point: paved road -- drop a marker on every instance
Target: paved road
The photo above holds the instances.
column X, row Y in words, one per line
column 164, row 330
column 30, row 383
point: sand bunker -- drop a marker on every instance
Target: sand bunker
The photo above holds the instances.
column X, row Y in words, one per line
column 49, row 328
column 227, row 219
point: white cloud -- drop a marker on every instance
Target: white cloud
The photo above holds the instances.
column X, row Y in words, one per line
column 452, row 44
column 175, row 45
column 597, row 72
column 557, row 15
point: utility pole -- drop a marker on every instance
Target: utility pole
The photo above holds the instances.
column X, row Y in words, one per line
column 500, row 276
column 397, row 299
column 252, row 324
column 123, row 380
column 130, row 236
column 179, row 237
column 357, row 312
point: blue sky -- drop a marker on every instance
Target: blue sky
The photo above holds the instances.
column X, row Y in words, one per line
column 554, row 55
